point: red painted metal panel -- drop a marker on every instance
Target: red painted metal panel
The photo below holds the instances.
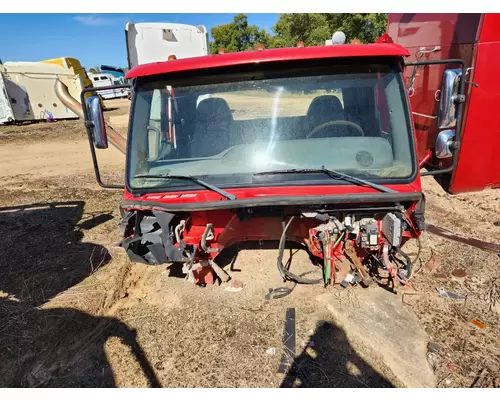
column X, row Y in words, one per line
column 433, row 29
column 424, row 99
column 272, row 55
column 199, row 196
column 455, row 34
column 490, row 31
column 479, row 160
column 475, row 38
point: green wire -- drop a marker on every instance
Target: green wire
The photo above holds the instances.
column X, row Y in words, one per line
column 327, row 271
column 328, row 260
column 339, row 239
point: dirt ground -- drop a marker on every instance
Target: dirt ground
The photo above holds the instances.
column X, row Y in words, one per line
column 75, row 312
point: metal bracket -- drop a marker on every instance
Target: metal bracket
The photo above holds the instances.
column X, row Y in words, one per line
column 424, row 115
column 423, row 51
column 208, row 234
column 467, row 71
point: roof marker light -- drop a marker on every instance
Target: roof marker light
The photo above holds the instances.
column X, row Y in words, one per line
column 385, row 38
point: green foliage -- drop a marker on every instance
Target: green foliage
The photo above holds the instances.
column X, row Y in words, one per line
column 312, row 29
column 365, row 27
column 93, row 71
column 237, row 36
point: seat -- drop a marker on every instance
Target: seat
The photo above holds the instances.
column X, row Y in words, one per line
column 324, row 109
column 212, row 128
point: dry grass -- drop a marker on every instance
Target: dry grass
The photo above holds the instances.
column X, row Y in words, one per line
column 75, row 312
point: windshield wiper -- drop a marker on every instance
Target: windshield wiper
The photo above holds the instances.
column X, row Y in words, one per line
column 332, row 173
column 229, row 196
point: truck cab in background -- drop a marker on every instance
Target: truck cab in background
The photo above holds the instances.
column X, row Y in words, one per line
column 152, row 42
column 107, row 81
column 468, row 144
column 117, row 73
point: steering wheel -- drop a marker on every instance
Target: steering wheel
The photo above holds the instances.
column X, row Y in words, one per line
column 338, row 122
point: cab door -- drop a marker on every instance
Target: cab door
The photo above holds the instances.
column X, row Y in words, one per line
column 478, row 161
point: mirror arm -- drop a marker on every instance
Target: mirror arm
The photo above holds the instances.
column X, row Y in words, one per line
column 91, row 142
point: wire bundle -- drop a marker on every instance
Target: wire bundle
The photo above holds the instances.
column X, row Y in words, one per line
column 329, row 252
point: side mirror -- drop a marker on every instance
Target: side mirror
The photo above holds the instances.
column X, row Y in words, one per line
column 444, row 140
column 96, row 119
column 447, row 107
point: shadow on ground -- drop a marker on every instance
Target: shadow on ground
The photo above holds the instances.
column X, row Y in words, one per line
column 331, row 362
column 61, row 348
column 42, row 255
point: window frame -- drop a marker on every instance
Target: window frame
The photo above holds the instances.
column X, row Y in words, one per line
column 268, row 71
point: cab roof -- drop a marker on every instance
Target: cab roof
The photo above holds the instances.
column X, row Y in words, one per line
column 271, row 55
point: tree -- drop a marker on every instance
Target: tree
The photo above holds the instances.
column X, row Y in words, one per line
column 365, row 27
column 314, row 29
column 93, row 70
column 237, row 36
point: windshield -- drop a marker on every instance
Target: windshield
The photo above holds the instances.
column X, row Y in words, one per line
column 226, row 128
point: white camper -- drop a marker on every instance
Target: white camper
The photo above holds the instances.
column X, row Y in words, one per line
column 151, row 42
column 102, row 80
column 27, row 91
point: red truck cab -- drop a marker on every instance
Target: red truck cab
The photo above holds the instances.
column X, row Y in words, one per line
column 475, row 39
column 313, row 146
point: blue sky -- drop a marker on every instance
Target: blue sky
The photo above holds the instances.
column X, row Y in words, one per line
column 93, row 39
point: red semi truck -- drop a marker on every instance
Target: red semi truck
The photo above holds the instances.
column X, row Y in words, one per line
column 474, row 39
